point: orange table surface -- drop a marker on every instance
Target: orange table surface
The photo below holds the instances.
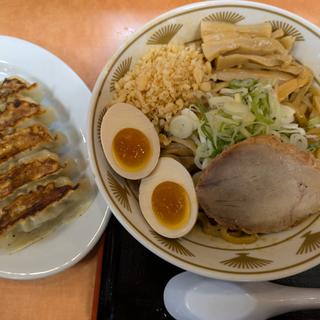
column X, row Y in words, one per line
column 83, row 33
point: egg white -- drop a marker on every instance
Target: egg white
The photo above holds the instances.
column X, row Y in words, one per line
column 121, row 116
column 167, row 169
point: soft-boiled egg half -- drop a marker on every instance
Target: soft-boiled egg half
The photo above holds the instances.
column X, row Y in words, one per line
column 168, row 199
column 130, row 141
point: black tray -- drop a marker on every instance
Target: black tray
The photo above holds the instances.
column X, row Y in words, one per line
column 133, row 280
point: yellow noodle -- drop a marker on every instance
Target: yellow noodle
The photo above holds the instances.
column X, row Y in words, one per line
column 297, row 101
column 314, row 131
column 314, row 90
column 300, row 113
column 316, row 102
column 241, row 238
column 317, row 153
column 237, row 237
column 292, row 85
column 314, row 113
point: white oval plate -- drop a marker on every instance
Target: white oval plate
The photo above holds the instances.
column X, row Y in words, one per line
column 68, row 93
column 273, row 256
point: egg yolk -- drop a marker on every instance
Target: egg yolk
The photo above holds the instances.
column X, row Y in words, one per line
column 171, row 204
column 131, row 149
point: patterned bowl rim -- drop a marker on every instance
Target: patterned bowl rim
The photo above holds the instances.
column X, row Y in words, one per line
column 139, row 236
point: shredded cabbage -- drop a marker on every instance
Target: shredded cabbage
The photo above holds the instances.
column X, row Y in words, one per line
column 245, row 109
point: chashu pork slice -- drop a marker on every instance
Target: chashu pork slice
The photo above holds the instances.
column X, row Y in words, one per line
column 260, row 185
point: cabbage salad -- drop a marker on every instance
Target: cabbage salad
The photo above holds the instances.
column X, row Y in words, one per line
column 244, row 109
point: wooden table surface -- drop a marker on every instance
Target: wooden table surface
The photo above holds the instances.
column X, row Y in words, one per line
column 83, row 33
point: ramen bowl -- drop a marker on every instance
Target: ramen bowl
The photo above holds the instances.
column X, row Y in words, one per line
column 274, row 255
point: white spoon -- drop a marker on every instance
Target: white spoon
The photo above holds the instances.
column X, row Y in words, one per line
column 190, row 297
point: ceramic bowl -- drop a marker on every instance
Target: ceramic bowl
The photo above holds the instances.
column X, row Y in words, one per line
column 272, row 256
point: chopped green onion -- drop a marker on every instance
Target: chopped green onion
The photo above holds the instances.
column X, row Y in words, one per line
column 245, row 109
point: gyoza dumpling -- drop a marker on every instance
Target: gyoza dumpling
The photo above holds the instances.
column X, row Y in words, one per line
column 38, row 191
column 28, row 169
column 23, row 140
column 32, row 214
column 13, row 85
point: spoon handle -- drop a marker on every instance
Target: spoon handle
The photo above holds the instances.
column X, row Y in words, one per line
column 272, row 299
column 290, row 298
